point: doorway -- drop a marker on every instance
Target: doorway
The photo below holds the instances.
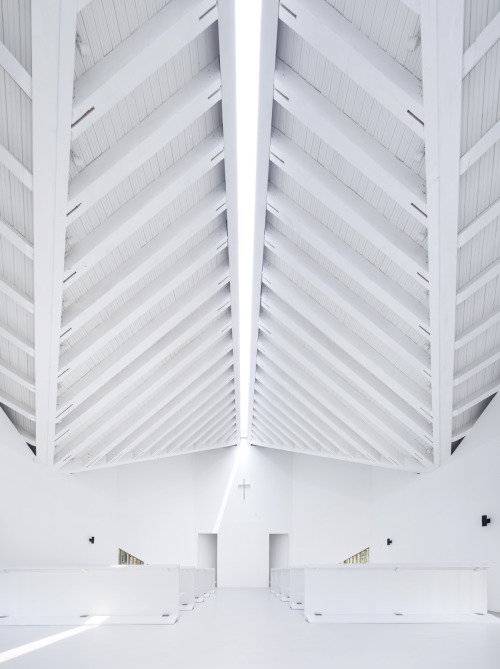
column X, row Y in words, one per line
column 278, row 552
column 207, row 552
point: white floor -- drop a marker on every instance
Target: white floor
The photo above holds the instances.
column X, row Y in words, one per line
column 249, row 629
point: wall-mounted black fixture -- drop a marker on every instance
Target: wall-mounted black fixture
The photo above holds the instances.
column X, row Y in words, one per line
column 389, row 542
column 91, row 540
column 485, row 520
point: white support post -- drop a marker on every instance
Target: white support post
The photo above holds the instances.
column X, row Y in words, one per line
column 141, row 143
column 269, row 34
column 442, row 51
column 369, row 66
column 350, row 207
column 53, row 27
column 349, row 140
column 138, row 57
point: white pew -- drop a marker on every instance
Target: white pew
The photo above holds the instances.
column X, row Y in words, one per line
column 274, row 580
column 297, row 596
column 395, row 593
column 285, row 584
column 209, row 581
column 120, row 594
column 199, row 585
column 187, row 588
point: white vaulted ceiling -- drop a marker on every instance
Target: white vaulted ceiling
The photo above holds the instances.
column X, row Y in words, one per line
column 376, row 308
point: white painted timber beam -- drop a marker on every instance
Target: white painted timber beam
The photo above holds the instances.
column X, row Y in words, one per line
column 227, row 50
column 274, row 431
column 325, row 418
column 413, row 5
column 297, row 421
column 350, row 140
column 221, row 421
column 175, row 412
column 462, row 432
column 144, row 206
column 350, row 207
column 478, row 365
column 10, row 234
column 484, row 41
column 296, row 436
column 477, row 328
column 15, row 375
column 141, row 341
column 277, row 284
column 349, row 368
column 491, row 137
column 53, row 28
column 478, row 281
column 16, row 168
column 141, row 143
column 140, row 264
column 14, row 338
column 165, row 284
column 15, row 70
column 360, row 270
column 374, row 411
column 282, row 369
column 124, row 68
column 118, row 423
column 16, row 405
column 16, row 295
column 218, row 436
column 479, row 223
column 201, row 419
column 268, row 42
column 363, row 61
column 348, row 301
column 442, row 27
column 474, row 399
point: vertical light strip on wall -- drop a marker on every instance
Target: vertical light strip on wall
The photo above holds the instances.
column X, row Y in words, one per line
column 247, row 18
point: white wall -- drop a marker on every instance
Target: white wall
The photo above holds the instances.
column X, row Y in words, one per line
column 436, row 517
column 46, row 518
column 331, row 501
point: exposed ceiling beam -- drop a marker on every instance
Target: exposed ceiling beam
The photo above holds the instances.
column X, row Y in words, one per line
column 219, row 436
column 16, row 295
column 348, row 367
column 269, row 34
column 442, row 49
column 118, row 423
column 350, row 207
column 325, row 418
column 413, row 5
column 360, row 270
column 16, row 168
column 479, row 223
column 175, row 411
column 363, row 61
column 146, row 139
column 483, row 43
column 53, row 28
column 348, row 340
column 17, row 405
column 140, row 209
column 277, row 433
column 227, row 50
column 15, row 70
column 332, row 389
column 462, row 432
column 282, row 426
column 10, row 234
column 491, row 137
column 166, row 245
column 477, row 365
column 279, row 365
column 478, row 281
column 18, row 340
column 474, row 398
column 350, row 140
column 138, row 57
column 477, row 328
column 147, row 337
column 347, row 300
column 220, row 422
column 15, row 375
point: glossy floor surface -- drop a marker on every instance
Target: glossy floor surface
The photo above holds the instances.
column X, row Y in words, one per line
column 251, row 628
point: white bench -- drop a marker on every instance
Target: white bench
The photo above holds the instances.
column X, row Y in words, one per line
column 297, row 596
column 187, row 588
column 396, row 593
column 121, row 594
